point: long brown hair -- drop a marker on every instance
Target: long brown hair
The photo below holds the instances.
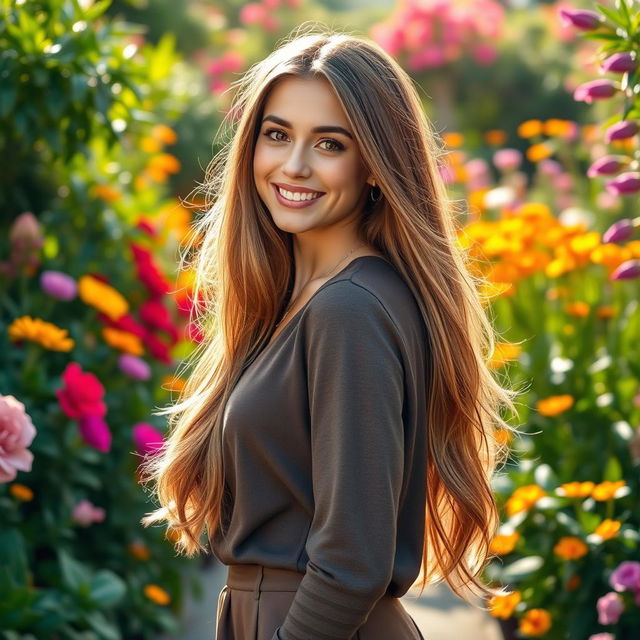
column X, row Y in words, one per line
column 242, row 266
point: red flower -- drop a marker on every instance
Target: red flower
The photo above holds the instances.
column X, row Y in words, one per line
column 82, row 394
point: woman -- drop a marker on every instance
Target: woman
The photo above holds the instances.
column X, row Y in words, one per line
column 342, row 377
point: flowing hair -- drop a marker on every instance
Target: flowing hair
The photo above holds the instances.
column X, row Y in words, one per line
column 243, row 262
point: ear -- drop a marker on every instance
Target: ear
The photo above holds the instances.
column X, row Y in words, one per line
column 371, row 180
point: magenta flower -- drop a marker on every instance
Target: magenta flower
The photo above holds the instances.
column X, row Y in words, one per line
column 620, row 231
column 507, row 159
column 626, row 271
column 607, row 165
column 85, row 513
column 16, row 434
column 595, row 90
column 58, row 285
column 620, row 62
column 134, row 367
column 621, row 130
column 626, row 576
column 609, row 606
column 625, row 183
column 581, row 19
column 82, row 394
column 95, row 432
column 147, row 438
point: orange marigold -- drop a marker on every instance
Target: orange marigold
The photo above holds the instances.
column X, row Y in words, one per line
column 535, row 622
column 505, row 543
column 157, row 594
column 606, row 490
column 554, row 405
column 123, row 341
column 523, row 498
column 106, row 192
column 503, row 606
column 570, row 548
column 453, row 139
column 495, row 137
column 608, row 529
column 577, row 309
column 21, row 492
column 43, row 333
column 164, row 134
column 103, row 297
column 139, row 550
column 530, row 129
column 540, row 151
column 576, row 489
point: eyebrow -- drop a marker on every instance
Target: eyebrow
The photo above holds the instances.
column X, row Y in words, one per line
column 323, row 129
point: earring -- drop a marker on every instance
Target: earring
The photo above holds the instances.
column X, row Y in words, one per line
column 376, row 198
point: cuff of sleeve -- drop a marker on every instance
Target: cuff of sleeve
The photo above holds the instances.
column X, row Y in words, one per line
column 276, row 635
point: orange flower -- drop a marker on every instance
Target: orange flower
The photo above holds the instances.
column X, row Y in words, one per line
column 453, row 139
column 606, row 311
column 590, row 132
column 523, row 498
column 530, row 129
column 570, row 548
column 157, row 594
column 573, row 583
column 21, row 492
column 164, row 134
column 495, row 137
column 502, row 436
column 556, row 127
column 172, row 383
column 555, row 293
column 608, row 529
column 533, row 211
column 102, row 297
column 106, row 192
column 150, row 145
column 554, row 405
column 503, row 353
column 576, row 489
column 539, row 151
column 139, row 550
column 165, row 162
column 535, row 622
column 606, row 490
column 123, row 341
column 503, row 544
column 172, row 535
column 577, row 309
column 503, row 606
column 43, row 333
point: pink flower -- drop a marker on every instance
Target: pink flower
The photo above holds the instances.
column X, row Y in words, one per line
column 58, row 285
column 253, row 13
column 595, row 90
column 626, row 576
column 82, row 394
column 85, row 513
column 25, row 232
column 625, row 183
column 550, row 167
column 607, row 165
column 16, row 434
column 621, row 130
column 95, row 432
column 147, row 438
column 134, row 367
column 621, row 230
column 620, row 62
column 507, row 159
column 609, row 606
column 581, row 19
column 602, row 636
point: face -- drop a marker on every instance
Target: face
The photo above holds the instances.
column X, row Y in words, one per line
column 291, row 151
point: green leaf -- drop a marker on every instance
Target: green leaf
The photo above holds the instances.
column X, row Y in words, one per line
column 13, row 557
column 99, row 623
column 521, row 568
column 107, row 589
column 74, row 573
column 615, row 16
column 613, row 470
column 8, row 95
column 96, row 10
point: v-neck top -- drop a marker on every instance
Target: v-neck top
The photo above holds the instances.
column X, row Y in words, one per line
column 325, row 451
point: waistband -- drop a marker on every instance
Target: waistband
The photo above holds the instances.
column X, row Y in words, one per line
column 256, row 577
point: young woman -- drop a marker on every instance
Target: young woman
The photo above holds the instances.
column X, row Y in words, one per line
column 335, row 436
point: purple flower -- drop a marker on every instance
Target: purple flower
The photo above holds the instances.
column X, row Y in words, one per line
column 586, row 20
column 626, row 576
column 619, row 231
column 610, row 606
column 625, row 183
column 147, row 438
column 620, row 62
column 507, row 159
column 626, row 271
column 621, row 130
column 134, row 367
column 58, row 285
column 606, row 165
column 595, row 90
column 95, row 432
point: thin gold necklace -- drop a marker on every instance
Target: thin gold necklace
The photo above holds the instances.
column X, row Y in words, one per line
column 324, row 275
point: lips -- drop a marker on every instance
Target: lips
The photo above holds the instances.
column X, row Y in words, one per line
column 293, row 204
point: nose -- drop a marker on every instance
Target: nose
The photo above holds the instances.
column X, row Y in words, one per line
column 296, row 165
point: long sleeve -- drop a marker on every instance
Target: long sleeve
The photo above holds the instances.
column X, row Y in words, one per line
column 356, row 392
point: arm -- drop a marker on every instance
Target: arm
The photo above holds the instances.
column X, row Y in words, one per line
column 356, row 390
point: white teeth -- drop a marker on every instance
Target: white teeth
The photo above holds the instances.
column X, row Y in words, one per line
column 297, row 196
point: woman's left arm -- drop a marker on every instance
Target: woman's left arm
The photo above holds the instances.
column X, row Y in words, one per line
column 356, row 391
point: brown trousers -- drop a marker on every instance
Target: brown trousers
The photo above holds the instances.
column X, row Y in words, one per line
column 255, row 600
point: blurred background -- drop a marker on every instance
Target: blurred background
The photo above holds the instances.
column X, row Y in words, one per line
column 109, row 115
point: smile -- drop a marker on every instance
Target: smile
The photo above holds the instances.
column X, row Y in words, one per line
column 296, row 200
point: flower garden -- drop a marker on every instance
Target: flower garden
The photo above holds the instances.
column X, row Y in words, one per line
column 108, row 113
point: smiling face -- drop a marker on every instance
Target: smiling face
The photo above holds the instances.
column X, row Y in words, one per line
column 305, row 142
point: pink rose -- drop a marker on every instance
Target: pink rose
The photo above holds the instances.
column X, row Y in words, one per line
column 85, row 513
column 626, row 576
column 609, row 606
column 82, row 394
column 16, row 434
column 147, row 438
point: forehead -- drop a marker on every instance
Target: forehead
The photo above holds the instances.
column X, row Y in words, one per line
column 305, row 100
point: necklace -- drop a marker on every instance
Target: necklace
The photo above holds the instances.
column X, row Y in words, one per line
column 324, row 275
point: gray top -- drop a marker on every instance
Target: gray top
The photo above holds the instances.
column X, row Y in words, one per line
column 325, row 452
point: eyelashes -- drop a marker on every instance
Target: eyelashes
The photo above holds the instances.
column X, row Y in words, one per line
column 338, row 146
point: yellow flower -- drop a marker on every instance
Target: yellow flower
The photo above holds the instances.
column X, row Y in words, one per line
column 570, row 548
column 106, row 192
column 123, row 341
column 530, row 129
column 503, row 353
column 102, row 297
column 453, row 139
column 150, row 145
column 139, row 550
column 608, row 529
column 556, row 127
column 535, row 622
column 44, row 333
column 21, row 492
column 606, row 490
column 503, row 606
column 523, row 498
column 534, row 211
column 495, row 137
column 576, row 489
column 157, row 594
column 539, row 151
column 503, row 544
